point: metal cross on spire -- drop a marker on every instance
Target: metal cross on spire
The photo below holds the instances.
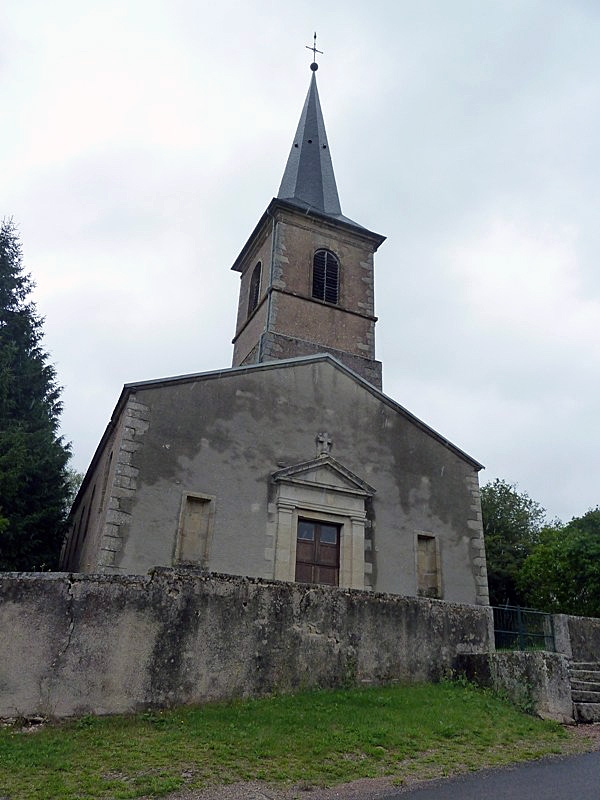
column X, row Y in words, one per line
column 314, row 66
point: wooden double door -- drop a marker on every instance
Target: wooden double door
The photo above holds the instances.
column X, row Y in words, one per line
column 318, row 552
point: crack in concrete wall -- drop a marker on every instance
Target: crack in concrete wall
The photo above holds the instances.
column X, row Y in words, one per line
column 46, row 680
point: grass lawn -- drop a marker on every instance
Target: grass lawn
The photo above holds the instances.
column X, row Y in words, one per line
column 321, row 738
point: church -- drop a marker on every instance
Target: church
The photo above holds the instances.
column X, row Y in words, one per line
column 292, row 464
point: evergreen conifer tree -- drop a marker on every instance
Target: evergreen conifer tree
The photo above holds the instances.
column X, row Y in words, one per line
column 33, row 458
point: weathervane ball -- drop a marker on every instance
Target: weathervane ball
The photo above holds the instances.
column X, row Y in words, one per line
column 314, row 66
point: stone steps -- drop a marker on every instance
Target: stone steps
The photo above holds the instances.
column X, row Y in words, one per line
column 585, row 690
column 588, row 675
column 585, row 697
column 586, row 712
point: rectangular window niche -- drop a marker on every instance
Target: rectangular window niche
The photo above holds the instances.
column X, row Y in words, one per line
column 428, row 565
column 194, row 533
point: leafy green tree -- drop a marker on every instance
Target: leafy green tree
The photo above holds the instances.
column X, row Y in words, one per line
column 74, row 481
column 33, row 458
column 511, row 524
column 562, row 574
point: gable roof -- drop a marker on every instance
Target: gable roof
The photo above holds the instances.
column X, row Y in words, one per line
column 130, row 388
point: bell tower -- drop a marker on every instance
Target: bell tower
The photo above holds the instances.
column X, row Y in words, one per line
column 307, row 270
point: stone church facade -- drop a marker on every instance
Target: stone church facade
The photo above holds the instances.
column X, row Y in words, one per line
column 292, row 464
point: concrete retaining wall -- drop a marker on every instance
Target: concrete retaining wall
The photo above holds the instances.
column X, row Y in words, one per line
column 537, row 682
column 77, row 644
column 584, row 637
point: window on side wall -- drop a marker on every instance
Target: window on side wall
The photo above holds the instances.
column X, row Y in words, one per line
column 254, row 291
column 429, row 579
column 194, row 533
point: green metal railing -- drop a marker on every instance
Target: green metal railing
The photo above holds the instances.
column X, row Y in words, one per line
column 517, row 628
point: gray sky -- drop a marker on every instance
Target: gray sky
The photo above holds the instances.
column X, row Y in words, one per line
column 141, row 141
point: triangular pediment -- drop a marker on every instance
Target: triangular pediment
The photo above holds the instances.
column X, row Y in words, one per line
column 324, row 471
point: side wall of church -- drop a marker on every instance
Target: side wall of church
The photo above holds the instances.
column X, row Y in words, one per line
column 102, row 509
column 221, row 439
column 82, row 544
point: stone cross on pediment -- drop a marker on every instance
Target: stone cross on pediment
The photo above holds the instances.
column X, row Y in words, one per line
column 324, row 443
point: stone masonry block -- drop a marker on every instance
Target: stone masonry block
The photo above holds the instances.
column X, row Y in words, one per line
column 129, row 472
column 122, row 491
column 118, row 517
column 110, row 529
column 130, row 446
column 138, row 425
column 124, row 482
column 134, row 414
column 113, row 544
column 136, row 405
column 106, row 558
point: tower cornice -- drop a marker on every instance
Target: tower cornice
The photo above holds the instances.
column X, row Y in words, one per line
column 277, row 205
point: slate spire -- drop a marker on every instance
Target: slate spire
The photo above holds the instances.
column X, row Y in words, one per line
column 308, row 180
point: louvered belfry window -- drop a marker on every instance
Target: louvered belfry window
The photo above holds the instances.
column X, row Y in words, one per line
column 254, row 291
column 326, row 276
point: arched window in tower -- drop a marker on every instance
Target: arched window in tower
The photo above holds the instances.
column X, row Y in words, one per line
column 326, row 276
column 254, row 288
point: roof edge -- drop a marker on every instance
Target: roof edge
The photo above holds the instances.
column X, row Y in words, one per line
column 130, row 388
column 288, row 362
column 340, row 220
column 276, row 203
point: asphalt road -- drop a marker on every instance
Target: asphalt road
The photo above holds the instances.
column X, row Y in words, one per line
column 571, row 778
